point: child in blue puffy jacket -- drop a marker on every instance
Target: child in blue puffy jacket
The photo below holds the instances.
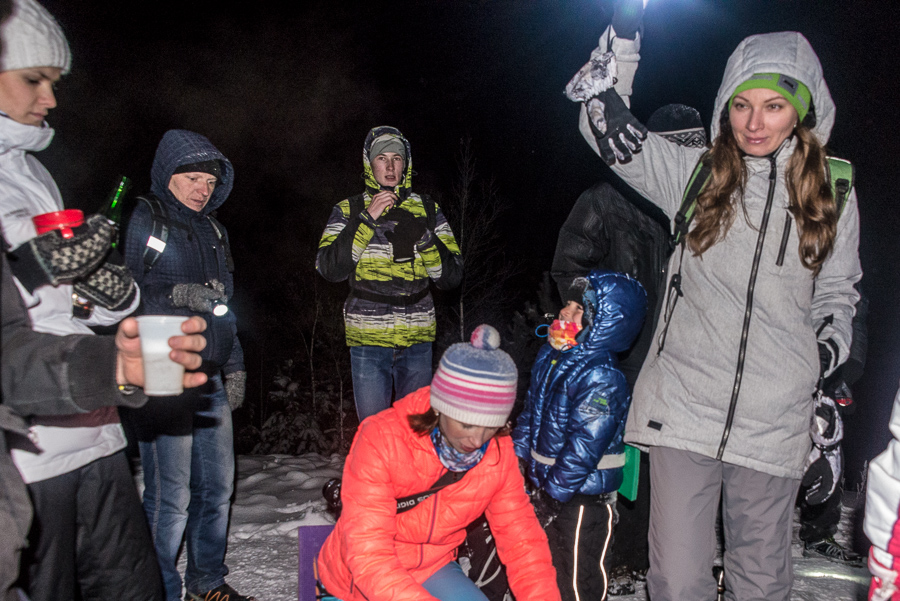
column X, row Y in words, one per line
column 569, row 435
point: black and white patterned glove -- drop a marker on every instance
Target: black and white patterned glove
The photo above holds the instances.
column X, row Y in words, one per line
column 826, row 466
column 595, row 77
column 198, row 297
column 111, row 285
column 622, row 134
column 235, row 387
column 52, row 259
column 827, row 427
column 825, row 463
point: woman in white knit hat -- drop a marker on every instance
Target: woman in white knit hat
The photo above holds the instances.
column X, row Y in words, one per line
column 396, row 541
column 89, row 534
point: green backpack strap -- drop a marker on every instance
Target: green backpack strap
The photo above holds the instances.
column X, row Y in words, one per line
column 840, row 173
column 695, row 186
column 842, row 177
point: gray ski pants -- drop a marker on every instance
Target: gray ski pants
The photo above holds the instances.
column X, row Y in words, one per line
column 757, row 516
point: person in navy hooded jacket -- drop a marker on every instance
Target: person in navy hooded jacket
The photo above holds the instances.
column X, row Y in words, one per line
column 569, row 435
column 186, row 442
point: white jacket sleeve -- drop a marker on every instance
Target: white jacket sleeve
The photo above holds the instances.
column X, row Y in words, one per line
column 627, row 57
column 883, row 498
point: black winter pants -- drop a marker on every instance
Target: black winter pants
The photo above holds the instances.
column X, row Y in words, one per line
column 819, row 521
column 580, row 542
column 89, row 534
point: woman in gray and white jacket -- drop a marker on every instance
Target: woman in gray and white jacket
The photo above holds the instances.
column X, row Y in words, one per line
column 761, row 300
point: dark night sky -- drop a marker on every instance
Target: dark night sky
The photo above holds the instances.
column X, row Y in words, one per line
column 288, row 94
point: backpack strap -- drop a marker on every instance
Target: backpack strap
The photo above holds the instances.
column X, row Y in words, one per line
column 842, row 177
column 404, row 504
column 840, row 173
column 685, row 213
column 156, row 242
column 223, row 240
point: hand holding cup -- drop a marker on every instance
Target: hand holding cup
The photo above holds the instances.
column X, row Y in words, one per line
column 183, row 343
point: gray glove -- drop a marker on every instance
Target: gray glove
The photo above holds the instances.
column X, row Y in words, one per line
column 235, row 386
column 111, row 286
column 52, row 259
column 198, row 297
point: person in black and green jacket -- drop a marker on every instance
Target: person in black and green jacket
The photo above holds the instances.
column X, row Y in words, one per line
column 388, row 242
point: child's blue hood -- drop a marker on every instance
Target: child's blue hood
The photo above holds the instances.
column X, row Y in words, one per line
column 619, row 305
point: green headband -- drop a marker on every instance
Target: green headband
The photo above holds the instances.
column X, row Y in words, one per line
column 793, row 91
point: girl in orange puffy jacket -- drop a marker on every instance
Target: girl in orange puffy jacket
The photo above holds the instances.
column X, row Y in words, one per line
column 379, row 553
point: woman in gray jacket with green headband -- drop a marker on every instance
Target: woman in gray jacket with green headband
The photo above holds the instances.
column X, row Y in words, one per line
column 760, row 304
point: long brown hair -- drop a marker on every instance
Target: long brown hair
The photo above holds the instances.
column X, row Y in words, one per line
column 811, row 198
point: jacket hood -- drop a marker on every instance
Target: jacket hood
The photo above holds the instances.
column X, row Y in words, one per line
column 403, row 189
column 619, row 304
column 180, row 147
column 785, row 52
column 23, row 137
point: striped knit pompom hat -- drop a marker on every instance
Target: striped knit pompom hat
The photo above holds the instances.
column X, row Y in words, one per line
column 475, row 382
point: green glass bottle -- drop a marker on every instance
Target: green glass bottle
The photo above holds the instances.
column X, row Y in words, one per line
column 114, row 204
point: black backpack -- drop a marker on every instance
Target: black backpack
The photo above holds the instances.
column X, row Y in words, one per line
column 156, row 242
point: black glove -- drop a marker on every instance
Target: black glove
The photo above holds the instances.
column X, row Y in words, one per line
column 823, row 474
column 627, row 18
column 624, row 134
column 828, row 353
column 841, row 393
column 52, row 259
column 198, row 297
column 546, row 508
column 332, row 493
column 403, row 238
column 235, row 387
column 111, row 285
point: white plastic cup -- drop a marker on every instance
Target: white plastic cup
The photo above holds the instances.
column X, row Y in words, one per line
column 162, row 376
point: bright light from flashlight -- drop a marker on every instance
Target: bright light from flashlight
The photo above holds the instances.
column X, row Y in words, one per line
column 219, row 310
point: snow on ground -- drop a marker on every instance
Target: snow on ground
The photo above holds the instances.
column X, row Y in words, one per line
column 278, row 493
